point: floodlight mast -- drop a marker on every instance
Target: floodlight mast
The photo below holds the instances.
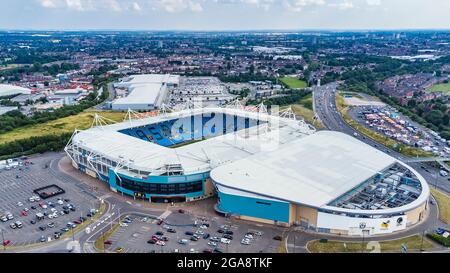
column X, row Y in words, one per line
column 100, row 121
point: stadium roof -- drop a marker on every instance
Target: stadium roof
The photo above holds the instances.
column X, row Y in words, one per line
column 195, row 157
column 313, row 170
column 9, row 90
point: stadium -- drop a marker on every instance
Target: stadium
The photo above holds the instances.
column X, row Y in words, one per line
column 263, row 167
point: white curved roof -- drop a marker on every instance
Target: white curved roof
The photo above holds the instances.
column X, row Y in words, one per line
column 196, row 157
column 312, row 171
column 9, row 90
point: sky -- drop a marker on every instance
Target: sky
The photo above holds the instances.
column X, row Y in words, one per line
column 224, row 14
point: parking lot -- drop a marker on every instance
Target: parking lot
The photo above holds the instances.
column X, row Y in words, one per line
column 16, row 189
column 175, row 234
column 387, row 121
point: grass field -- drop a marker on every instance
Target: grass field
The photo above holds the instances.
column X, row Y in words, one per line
column 384, row 140
column 60, row 126
column 99, row 243
column 307, row 102
column 307, row 115
column 443, row 87
column 293, row 83
column 413, row 243
column 443, row 201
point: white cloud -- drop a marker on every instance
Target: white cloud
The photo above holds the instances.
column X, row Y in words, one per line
column 173, row 6
column 298, row 5
column 113, row 5
column 135, row 6
column 79, row 5
column 342, row 5
column 48, row 3
column 373, row 2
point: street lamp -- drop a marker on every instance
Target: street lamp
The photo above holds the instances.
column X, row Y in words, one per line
column 421, row 243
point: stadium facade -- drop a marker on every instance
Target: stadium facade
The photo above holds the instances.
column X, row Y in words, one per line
column 267, row 168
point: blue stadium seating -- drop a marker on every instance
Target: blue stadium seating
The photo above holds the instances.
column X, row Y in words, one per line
column 191, row 128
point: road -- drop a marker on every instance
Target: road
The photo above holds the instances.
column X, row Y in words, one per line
column 326, row 111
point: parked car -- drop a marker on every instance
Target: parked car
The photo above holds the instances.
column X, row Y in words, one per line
column 6, row 242
column 183, row 242
column 189, row 233
column 206, row 236
column 19, row 224
column 171, row 230
column 200, row 232
column 440, row 231
column 193, row 238
column 278, row 238
column 108, row 242
column 119, row 250
column 227, row 236
column 159, row 233
column 214, row 239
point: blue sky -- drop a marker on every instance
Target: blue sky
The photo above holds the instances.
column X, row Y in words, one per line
column 224, row 14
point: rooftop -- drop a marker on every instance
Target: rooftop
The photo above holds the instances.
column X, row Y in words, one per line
column 313, row 170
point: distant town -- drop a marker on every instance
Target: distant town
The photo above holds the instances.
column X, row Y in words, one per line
column 220, row 142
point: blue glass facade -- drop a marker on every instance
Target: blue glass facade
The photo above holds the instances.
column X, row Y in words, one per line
column 276, row 211
column 182, row 186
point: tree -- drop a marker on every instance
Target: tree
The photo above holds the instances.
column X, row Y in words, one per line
column 435, row 117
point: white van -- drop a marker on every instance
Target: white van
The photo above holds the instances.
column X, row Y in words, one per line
column 443, row 173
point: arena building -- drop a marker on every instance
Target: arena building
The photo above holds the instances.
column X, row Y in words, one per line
column 144, row 92
column 267, row 168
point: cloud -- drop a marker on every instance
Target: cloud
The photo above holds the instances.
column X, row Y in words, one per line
column 299, row 5
column 196, row 6
column 343, row 5
column 135, row 6
column 48, row 3
column 173, row 6
column 373, row 2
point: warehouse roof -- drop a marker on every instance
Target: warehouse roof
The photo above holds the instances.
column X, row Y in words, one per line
column 142, row 94
column 9, row 90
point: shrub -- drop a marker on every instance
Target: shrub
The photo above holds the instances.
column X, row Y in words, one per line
column 439, row 239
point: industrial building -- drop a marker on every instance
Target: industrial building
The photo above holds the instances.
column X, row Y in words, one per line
column 12, row 90
column 269, row 168
column 144, row 92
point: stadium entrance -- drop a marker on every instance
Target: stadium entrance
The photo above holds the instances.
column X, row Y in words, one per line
column 168, row 199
